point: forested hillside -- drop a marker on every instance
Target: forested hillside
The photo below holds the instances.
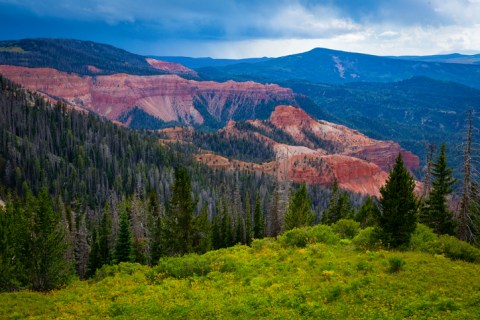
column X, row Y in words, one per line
column 82, row 57
column 94, row 177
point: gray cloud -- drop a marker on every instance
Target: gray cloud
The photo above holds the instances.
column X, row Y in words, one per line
column 228, row 21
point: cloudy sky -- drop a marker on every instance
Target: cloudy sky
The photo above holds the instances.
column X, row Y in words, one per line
column 247, row 28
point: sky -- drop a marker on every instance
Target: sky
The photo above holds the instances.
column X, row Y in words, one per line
column 247, row 28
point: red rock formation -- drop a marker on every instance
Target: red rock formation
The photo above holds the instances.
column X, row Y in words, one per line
column 167, row 97
column 340, row 139
column 171, row 67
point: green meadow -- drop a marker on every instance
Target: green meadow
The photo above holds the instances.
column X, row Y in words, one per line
column 312, row 273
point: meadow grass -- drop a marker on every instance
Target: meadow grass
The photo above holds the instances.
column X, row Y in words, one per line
column 273, row 279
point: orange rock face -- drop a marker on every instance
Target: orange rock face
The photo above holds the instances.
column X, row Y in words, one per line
column 167, row 97
column 171, row 67
column 339, row 139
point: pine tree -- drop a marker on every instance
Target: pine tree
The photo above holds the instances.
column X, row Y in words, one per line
column 124, row 245
column 95, row 258
column 367, row 213
column 104, row 236
column 154, row 227
column 340, row 206
column 202, row 232
column 258, row 220
column 248, row 220
column 276, row 216
column 398, row 207
column 44, row 249
column 179, row 217
column 10, row 221
column 435, row 212
column 299, row 213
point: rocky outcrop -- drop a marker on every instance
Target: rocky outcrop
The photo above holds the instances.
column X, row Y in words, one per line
column 166, row 97
column 338, row 139
column 170, row 67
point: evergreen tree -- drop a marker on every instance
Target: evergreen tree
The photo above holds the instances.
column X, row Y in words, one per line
column 154, row 227
column 248, row 220
column 124, row 245
column 367, row 213
column 276, row 217
column 217, row 241
column 339, row 207
column 398, row 207
column 104, row 237
column 435, row 212
column 45, row 247
column 95, row 258
column 299, row 213
column 9, row 235
column 202, row 232
column 258, row 220
column 179, row 218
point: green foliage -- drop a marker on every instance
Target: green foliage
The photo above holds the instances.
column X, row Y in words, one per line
column 367, row 239
column 339, row 207
column 367, row 213
column 425, row 240
column 435, row 213
column 124, row 244
column 398, row 205
column 269, row 280
column 299, row 213
column 9, row 240
column 190, row 265
column 258, row 219
column 179, row 218
column 395, row 264
column 300, row 237
column 202, row 232
column 457, row 249
column 346, row 228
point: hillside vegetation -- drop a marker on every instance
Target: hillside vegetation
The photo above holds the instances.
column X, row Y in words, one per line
column 306, row 273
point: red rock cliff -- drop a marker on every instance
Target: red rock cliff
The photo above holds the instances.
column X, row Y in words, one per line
column 167, row 97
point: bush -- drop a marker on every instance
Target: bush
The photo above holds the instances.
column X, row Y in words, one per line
column 186, row 266
column 297, row 237
column 395, row 264
column 457, row 249
column 300, row 237
column 323, row 233
column 367, row 239
column 346, row 228
column 423, row 239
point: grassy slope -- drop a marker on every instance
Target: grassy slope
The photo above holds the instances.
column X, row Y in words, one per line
column 270, row 280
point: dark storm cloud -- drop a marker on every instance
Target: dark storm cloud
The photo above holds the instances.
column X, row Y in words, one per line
column 138, row 23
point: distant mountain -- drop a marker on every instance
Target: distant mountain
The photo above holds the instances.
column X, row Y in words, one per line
column 412, row 112
column 208, row 62
column 445, row 58
column 81, row 57
column 331, row 66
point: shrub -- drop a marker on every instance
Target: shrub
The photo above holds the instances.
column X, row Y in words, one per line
column 395, row 264
column 367, row 239
column 300, row 237
column 186, row 266
column 346, row 228
column 297, row 237
column 457, row 249
column 323, row 233
column 423, row 239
